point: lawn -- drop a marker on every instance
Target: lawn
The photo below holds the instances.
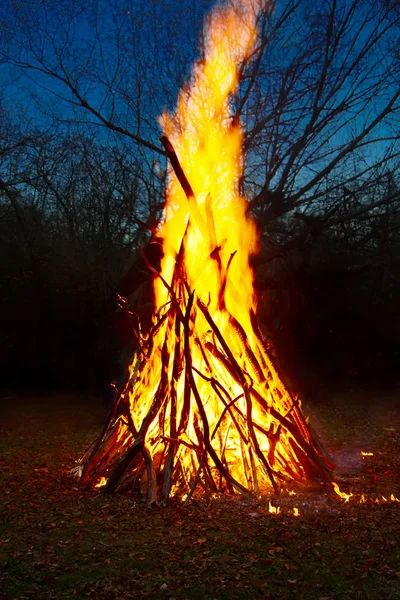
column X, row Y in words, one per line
column 57, row 541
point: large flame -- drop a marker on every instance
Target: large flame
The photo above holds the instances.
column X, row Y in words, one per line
column 218, row 240
column 206, row 401
column 208, row 142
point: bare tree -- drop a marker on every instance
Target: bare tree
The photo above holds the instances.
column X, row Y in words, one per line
column 115, row 61
column 82, row 173
column 324, row 101
column 319, row 97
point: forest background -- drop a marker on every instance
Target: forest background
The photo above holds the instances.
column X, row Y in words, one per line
column 83, row 177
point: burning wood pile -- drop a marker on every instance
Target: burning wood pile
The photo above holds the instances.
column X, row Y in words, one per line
column 204, row 409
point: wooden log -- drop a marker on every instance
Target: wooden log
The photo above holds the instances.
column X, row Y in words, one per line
column 123, row 465
column 215, row 458
column 176, row 165
column 257, row 449
column 151, row 477
column 169, row 465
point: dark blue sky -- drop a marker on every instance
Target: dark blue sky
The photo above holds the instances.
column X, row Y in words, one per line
column 122, row 54
column 128, row 59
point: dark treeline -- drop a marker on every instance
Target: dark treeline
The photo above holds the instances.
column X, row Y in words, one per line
column 68, row 236
column 82, row 182
column 329, row 290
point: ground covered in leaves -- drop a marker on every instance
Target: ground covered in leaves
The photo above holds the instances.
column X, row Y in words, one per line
column 57, row 541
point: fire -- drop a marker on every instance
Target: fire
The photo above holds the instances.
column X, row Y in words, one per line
column 205, row 406
column 101, row 483
column 383, row 499
column 367, row 453
column 273, row 510
column 346, row 497
column 208, row 142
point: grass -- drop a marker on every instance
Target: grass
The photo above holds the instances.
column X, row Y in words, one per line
column 57, row 541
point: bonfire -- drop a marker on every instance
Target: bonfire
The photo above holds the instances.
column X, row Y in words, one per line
column 204, row 410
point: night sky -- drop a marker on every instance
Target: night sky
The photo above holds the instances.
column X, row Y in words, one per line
column 143, row 41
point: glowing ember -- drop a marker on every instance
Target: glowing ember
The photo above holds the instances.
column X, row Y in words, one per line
column 296, row 512
column 204, row 407
column 367, row 453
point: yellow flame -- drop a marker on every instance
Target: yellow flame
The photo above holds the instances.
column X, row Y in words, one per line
column 218, row 238
column 346, row 497
column 382, row 500
column 101, row 483
column 363, row 498
column 296, row 512
column 273, row 510
column 208, row 143
column 367, row 453
column 186, row 396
